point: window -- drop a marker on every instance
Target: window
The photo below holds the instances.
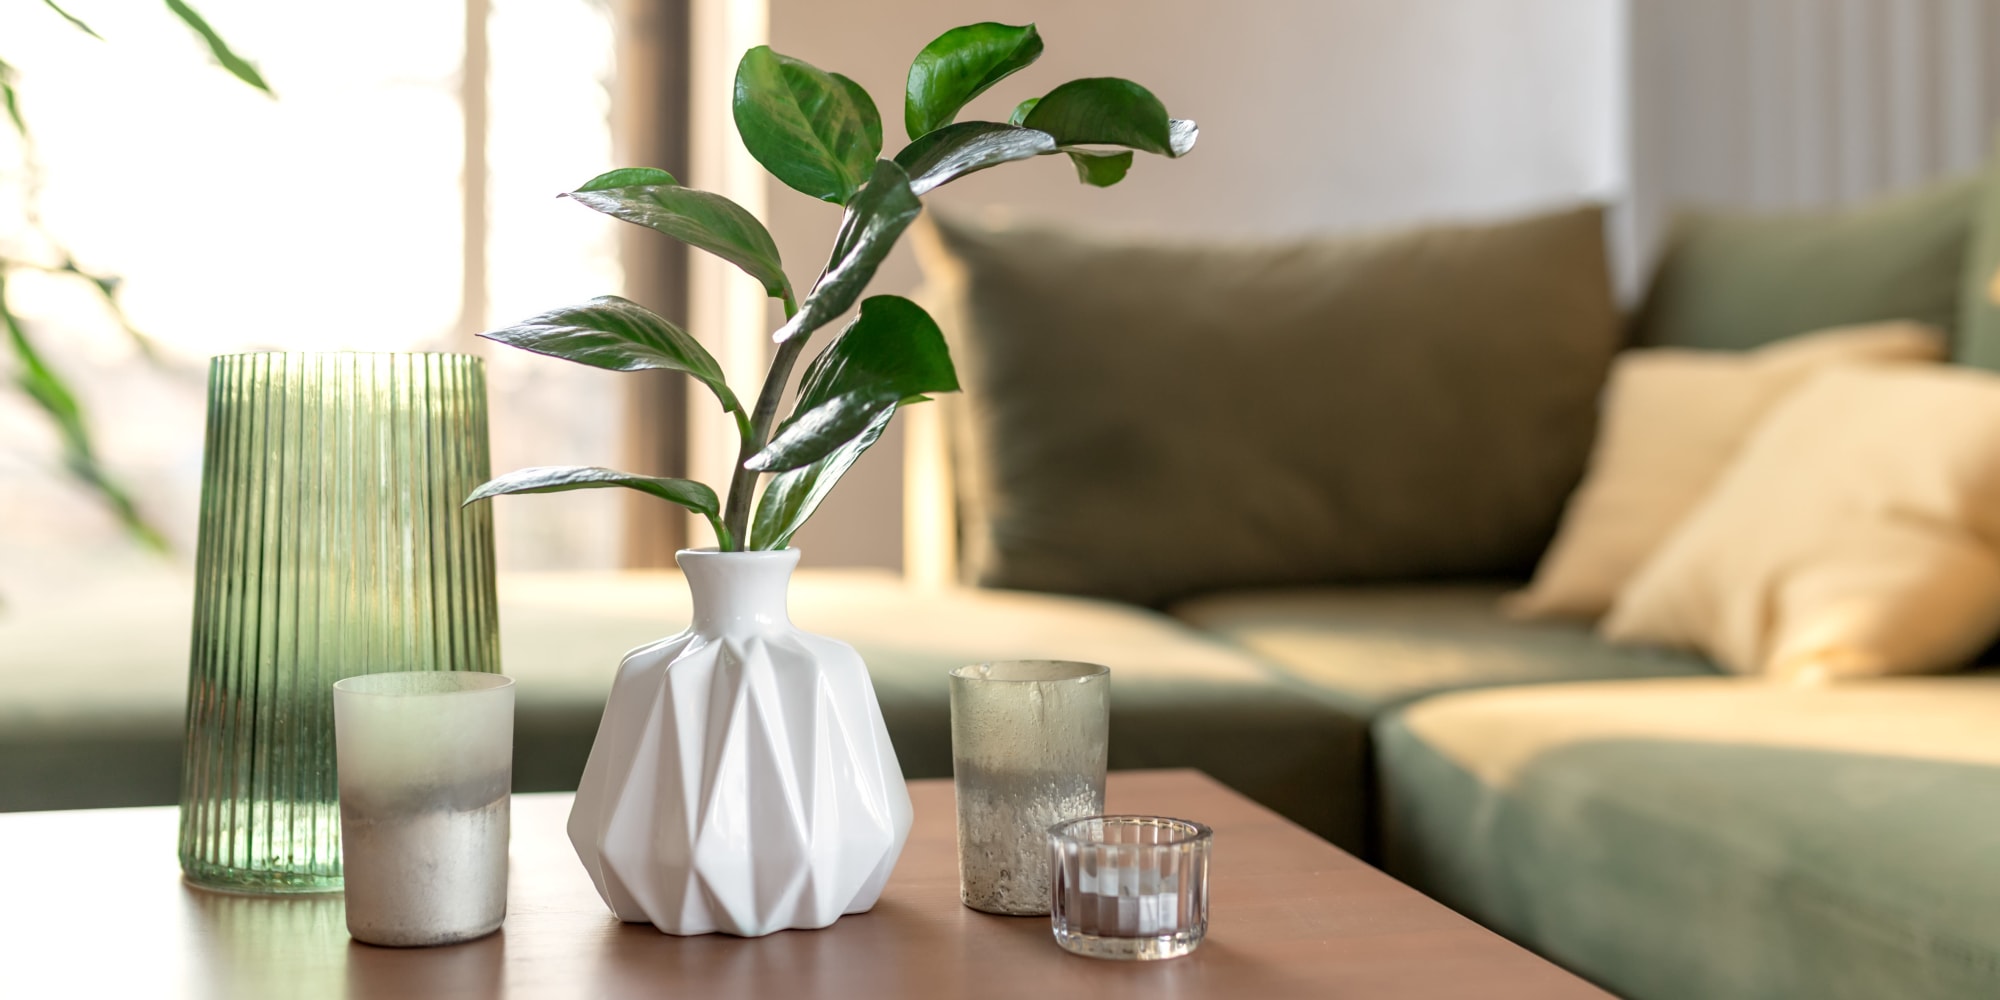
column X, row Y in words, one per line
column 331, row 218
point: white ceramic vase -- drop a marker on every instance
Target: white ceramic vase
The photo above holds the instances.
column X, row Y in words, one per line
column 742, row 779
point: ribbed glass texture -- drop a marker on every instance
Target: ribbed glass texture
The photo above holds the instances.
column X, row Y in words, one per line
column 332, row 543
column 1130, row 887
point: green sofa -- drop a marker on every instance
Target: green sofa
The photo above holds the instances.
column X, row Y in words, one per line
column 1662, row 829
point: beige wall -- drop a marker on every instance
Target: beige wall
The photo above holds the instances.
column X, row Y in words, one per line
column 1315, row 115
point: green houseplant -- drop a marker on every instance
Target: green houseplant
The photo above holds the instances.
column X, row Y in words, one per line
column 742, row 779
column 820, row 134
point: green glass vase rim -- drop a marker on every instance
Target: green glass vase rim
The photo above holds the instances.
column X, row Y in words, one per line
column 456, row 355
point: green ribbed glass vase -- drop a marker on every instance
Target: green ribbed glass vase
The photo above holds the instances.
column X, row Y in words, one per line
column 332, row 543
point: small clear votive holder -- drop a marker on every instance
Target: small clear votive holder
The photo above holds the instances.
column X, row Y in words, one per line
column 1129, row 887
column 426, row 760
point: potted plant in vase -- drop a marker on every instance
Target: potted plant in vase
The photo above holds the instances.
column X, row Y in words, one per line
column 742, row 779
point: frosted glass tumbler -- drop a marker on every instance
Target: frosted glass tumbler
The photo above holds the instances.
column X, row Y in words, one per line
column 332, row 543
column 426, row 760
column 1028, row 742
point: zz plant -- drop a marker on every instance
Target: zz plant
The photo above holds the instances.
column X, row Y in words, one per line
column 820, row 134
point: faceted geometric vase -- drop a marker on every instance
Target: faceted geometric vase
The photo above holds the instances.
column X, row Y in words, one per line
column 742, row 780
column 332, row 543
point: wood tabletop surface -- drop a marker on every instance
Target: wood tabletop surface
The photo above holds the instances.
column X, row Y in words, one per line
column 92, row 905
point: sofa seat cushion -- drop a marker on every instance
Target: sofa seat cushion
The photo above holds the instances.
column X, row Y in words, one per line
column 92, row 716
column 1179, row 698
column 1364, row 651
column 1371, row 648
column 1715, row 837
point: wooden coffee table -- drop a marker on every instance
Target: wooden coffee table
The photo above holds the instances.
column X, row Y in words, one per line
column 91, row 904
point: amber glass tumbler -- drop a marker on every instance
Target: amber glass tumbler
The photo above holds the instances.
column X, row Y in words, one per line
column 332, row 543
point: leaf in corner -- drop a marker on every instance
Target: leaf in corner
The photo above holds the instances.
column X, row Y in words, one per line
column 11, row 101
column 238, row 66
column 74, row 21
column 45, row 387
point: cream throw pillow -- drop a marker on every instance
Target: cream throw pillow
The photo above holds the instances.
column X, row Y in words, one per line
column 1858, row 533
column 1671, row 421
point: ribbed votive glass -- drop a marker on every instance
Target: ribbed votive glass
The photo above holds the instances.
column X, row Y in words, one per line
column 332, row 543
column 1129, row 887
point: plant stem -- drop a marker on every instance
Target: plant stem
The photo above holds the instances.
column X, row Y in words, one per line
column 722, row 538
column 735, row 536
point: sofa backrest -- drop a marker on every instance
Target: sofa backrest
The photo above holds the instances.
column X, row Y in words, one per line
column 1977, row 342
column 1731, row 281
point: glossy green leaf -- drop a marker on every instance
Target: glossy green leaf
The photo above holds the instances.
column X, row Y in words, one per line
column 50, row 393
column 956, row 150
column 1022, row 110
column 707, row 221
column 893, row 345
column 628, row 177
column 74, row 21
column 874, row 220
column 1104, row 111
column 791, row 497
column 813, row 434
column 619, row 335
column 1100, row 169
column 816, row 131
column 961, row 64
column 892, row 352
column 238, row 66
column 697, row 497
column 694, row 496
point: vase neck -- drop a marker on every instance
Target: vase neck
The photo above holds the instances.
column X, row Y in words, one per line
column 732, row 590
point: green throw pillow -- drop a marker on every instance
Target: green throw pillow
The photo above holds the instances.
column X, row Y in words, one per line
column 1145, row 422
column 1734, row 282
column 1978, row 340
